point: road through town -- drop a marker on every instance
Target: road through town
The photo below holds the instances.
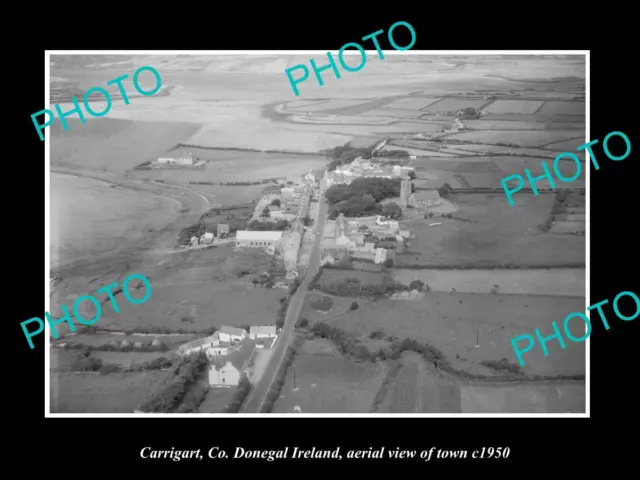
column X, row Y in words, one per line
column 258, row 394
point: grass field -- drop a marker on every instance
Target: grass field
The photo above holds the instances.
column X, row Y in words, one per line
column 393, row 113
column 94, row 393
column 114, row 145
column 561, row 282
column 216, row 400
column 453, row 104
column 494, row 234
column 522, row 107
column 563, row 108
column 553, row 398
column 412, row 388
column 413, row 103
column 452, row 322
column 524, row 138
column 327, row 382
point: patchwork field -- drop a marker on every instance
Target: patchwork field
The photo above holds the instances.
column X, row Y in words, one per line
column 326, row 382
column 453, row 322
column 453, row 104
column 393, row 113
column 326, row 105
column 487, row 232
column 95, row 393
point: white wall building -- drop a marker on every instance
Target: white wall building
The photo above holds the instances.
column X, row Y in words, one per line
column 231, row 334
column 263, row 331
column 246, row 238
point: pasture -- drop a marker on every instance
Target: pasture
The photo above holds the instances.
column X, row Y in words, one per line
column 487, row 232
column 95, row 393
column 523, row 138
column 452, row 104
column 453, row 322
column 521, row 107
column 326, row 382
column 532, row 398
column 563, row 108
column 413, row 103
column 216, row 400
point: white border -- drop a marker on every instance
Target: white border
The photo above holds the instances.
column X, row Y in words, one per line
column 47, row 207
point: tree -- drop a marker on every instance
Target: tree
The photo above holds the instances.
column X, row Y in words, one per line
column 266, row 212
column 388, row 263
column 354, row 306
column 392, row 210
column 416, row 285
column 412, row 175
column 275, row 202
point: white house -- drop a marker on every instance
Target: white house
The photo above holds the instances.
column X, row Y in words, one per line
column 246, row 238
column 217, row 351
column 207, row 238
column 263, row 331
column 186, row 159
column 231, row 334
column 381, row 255
column 228, row 371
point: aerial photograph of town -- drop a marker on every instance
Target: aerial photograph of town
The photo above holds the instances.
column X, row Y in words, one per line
column 349, row 250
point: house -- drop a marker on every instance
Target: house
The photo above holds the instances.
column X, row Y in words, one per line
column 223, row 230
column 310, row 177
column 228, row 371
column 245, row 238
column 381, row 255
column 194, row 241
column 207, row 238
column 219, row 351
column 186, row 159
column 231, row 334
column 263, row 331
column 287, row 193
column 199, row 345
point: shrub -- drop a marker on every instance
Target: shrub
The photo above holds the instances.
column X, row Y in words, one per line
column 388, row 263
column 354, row 306
column 417, row 285
column 503, row 365
column 303, row 322
column 275, row 202
column 377, row 334
column 324, row 304
column 109, row 368
column 242, row 390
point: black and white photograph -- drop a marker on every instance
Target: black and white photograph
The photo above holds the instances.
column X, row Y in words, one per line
column 281, row 233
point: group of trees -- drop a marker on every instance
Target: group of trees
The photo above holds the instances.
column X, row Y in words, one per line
column 242, row 390
column 346, row 154
column 377, row 187
column 118, row 347
column 276, row 386
column 257, row 225
column 361, row 198
column 170, row 394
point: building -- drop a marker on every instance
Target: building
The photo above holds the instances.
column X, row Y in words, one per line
column 194, row 241
column 228, row 371
column 287, row 193
column 231, row 334
column 219, row 351
column 246, row 238
column 223, row 230
column 199, row 345
column 262, row 331
column 185, row 159
column 207, row 238
column 405, row 192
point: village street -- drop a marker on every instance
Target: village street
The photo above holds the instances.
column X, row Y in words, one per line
column 258, row 394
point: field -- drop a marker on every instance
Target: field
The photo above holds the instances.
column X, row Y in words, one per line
column 393, row 113
column 94, row 393
column 563, row 108
column 325, row 105
column 562, row 282
column 412, row 387
column 216, row 400
column 547, row 398
column 114, row 145
column 453, row 104
column 487, row 232
column 524, row 138
column 412, row 103
column 328, row 383
column 453, row 322
column 88, row 217
column 63, row 359
column 522, row 107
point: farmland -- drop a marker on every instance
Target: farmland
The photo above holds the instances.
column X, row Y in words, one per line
column 487, row 232
column 95, row 393
column 452, row 322
column 522, row 107
column 328, row 383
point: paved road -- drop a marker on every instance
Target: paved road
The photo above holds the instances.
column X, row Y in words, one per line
column 258, row 394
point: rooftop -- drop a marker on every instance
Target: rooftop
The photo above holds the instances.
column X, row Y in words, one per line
column 231, row 330
column 259, row 235
column 263, row 330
